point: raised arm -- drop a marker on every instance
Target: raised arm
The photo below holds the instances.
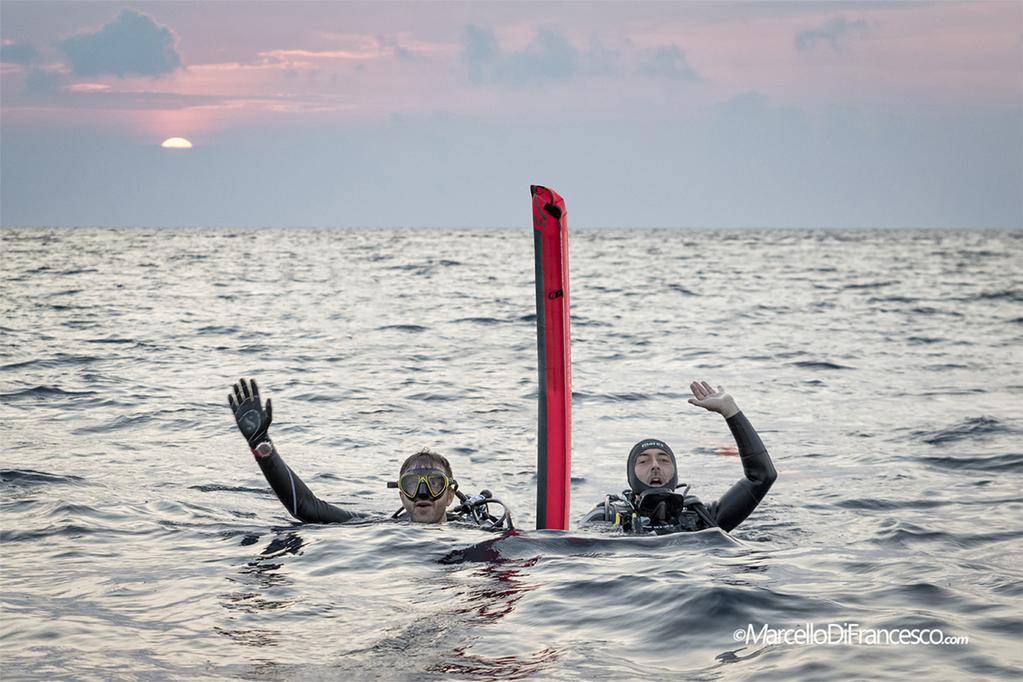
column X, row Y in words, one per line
column 253, row 421
column 759, row 474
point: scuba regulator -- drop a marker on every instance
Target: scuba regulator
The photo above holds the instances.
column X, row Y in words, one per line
column 656, row 510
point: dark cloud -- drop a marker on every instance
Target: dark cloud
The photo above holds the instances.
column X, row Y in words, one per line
column 480, row 51
column 43, row 81
column 668, row 61
column 131, row 45
column 549, row 56
column 835, row 33
column 18, row 53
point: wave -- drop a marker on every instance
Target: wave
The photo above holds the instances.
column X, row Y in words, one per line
column 682, row 290
column 875, row 504
column 903, row 534
column 972, row 428
column 219, row 329
column 29, row 477
column 1005, row 462
column 892, row 299
column 44, row 392
column 60, row 360
column 122, row 422
column 481, row 320
column 870, row 285
column 584, row 397
column 1014, row 295
column 116, row 340
column 824, row 364
column 435, row 397
column 928, row 310
column 922, row 340
column 413, row 328
column 517, row 545
column 215, row 488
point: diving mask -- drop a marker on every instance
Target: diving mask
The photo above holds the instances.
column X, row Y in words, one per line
column 433, row 481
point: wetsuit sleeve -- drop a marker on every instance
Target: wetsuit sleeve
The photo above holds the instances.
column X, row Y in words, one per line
column 759, row 475
column 296, row 496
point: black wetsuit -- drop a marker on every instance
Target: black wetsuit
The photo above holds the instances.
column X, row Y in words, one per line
column 301, row 503
column 296, row 496
column 739, row 501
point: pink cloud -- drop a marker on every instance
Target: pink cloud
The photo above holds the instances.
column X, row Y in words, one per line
column 909, row 56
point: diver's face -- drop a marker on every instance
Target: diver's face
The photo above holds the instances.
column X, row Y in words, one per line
column 654, row 467
column 421, row 509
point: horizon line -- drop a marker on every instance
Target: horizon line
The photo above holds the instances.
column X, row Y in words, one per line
column 595, row 228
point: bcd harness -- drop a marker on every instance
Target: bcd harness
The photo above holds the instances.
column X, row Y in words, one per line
column 657, row 510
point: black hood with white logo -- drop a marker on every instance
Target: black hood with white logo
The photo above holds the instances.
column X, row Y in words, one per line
column 639, row 486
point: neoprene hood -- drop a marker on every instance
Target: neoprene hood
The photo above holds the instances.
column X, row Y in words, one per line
column 639, row 486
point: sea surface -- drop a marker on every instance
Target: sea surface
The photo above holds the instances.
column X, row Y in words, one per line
column 883, row 370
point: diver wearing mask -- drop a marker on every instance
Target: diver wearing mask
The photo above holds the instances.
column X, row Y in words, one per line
column 651, row 504
column 425, row 484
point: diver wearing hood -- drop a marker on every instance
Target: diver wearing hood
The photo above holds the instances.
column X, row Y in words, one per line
column 651, row 503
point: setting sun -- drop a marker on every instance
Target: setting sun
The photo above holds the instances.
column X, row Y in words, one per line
column 176, row 143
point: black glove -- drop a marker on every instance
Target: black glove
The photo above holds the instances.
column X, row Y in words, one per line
column 253, row 420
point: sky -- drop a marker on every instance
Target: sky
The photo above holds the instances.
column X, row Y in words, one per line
column 437, row 114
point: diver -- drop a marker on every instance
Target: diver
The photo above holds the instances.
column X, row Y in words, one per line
column 425, row 483
column 651, row 504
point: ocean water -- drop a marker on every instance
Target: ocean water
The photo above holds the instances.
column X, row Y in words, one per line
column 883, row 370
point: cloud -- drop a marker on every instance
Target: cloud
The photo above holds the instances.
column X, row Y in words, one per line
column 391, row 43
column 600, row 60
column 43, row 81
column 750, row 119
column 86, row 97
column 302, row 57
column 744, row 106
column 13, row 52
column 667, row 61
column 480, row 51
column 834, row 33
column 549, row 56
column 130, row 45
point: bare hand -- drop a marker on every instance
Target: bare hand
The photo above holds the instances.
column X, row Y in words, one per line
column 716, row 401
